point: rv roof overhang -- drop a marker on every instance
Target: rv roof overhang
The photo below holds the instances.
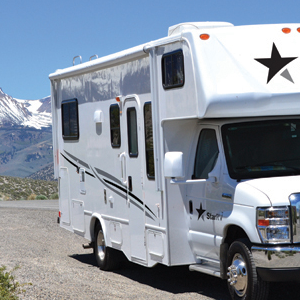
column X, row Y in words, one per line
column 113, row 59
column 232, row 83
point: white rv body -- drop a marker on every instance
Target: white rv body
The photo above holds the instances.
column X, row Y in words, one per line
column 228, row 75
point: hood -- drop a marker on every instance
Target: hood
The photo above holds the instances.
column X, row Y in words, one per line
column 277, row 189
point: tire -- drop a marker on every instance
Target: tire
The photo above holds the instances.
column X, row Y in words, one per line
column 106, row 257
column 243, row 281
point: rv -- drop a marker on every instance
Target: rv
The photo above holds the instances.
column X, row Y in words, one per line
column 186, row 151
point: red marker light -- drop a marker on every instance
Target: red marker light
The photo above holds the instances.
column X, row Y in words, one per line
column 298, row 29
column 286, row 30
column 204, row 37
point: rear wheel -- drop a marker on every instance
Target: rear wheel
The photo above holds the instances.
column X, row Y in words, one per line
column 243, row 281
column 106, row 257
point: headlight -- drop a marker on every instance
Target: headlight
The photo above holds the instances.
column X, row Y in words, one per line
column 273, row 224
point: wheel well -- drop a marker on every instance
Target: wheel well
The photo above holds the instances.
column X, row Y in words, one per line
column 94, row 223
column 233, row 233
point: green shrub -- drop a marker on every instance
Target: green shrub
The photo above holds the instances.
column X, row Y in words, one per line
column 41, row 197
column 9, row 288
column 54, row 196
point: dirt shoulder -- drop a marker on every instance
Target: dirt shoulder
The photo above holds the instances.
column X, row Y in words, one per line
column 53, row 260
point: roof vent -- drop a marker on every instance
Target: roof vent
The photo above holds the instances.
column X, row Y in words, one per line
column 196, row 25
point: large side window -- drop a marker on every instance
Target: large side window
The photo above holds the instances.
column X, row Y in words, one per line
column 206, row 155
column 149, row 140
column 115, row 133
column 69, row 113
column 172, row 70
column 132, row 132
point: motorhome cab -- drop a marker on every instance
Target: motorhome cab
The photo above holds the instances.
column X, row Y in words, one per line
column 186, row 151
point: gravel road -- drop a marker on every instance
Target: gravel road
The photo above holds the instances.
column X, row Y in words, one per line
column 54, row 262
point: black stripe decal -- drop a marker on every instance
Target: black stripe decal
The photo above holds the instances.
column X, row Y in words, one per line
column 107, row 175
column 116, row 185
column 130, row 194
column 115, row 191
column 76, row 166
column 78, row 160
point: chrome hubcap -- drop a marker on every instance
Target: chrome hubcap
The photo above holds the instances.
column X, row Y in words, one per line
column 101, row 245
column 237, row 275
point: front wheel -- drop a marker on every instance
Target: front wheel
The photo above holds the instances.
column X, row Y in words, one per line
column 243, row 281
column 106, row 257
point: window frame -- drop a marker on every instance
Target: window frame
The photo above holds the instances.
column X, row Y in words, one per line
column 197, row 154
column 164, row 68
column 130, row 132
column 150, row 176
column 64, row 104
column 114, row 128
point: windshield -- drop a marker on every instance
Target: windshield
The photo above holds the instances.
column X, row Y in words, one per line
column 262, row 148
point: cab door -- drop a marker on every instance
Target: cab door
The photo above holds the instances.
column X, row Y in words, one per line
column 132, row 170
column 207, row 206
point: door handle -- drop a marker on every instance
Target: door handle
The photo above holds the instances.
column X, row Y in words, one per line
column 123, row 168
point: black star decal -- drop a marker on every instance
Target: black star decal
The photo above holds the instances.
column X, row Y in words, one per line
column 200, row 211
column 275, row 63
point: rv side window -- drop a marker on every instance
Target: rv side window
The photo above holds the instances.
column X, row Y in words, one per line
column 115, row 134
column 132, row 132
column 206, row 155
column 173, row 70
column 149, row 140
column 69, row 113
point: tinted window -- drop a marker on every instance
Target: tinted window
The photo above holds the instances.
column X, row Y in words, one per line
column 70, row 126
column 132, row 132
column 173, row 70
column 262, row 148
column 149, row 140
column 207, row 154
column 115, row 134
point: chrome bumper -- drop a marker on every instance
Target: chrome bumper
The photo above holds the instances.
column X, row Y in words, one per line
column 276, row 257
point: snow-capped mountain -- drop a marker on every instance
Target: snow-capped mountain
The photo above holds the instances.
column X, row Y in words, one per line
column 31, row 113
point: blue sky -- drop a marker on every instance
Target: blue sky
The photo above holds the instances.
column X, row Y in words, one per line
column 38, row 36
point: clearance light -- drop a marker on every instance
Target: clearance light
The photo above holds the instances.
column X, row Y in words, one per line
column 286, row 30
column 118, row 99
column 204, row 37
column 298, row 29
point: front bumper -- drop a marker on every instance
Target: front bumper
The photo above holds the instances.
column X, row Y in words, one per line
column 278, row 263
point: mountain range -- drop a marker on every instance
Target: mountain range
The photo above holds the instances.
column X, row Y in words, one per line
column 26, row 137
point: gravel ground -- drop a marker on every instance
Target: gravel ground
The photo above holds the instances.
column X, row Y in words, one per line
column 54, row 262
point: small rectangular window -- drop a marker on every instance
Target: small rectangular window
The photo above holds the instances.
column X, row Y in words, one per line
column 115, row 133
column 132, row 132
column 173, row 70
column 70, row 126
column 149, row 140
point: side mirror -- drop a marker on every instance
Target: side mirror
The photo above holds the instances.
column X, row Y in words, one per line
column 173, row 165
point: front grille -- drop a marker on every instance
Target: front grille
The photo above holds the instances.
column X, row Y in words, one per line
column 295, row 217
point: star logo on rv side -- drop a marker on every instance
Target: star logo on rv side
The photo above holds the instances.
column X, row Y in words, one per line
column 276, row 63
column 200, row 211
